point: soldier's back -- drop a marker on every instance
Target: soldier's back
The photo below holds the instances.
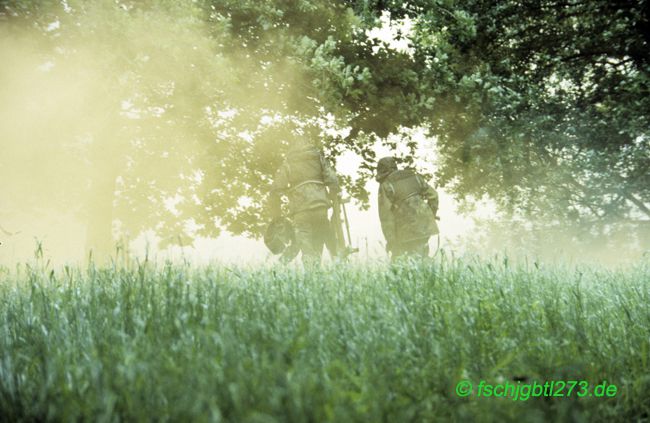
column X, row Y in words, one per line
column 414, row 219
column 307, row 188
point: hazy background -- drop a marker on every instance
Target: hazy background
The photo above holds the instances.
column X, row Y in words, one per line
column 159, row 125
column 59, row 135
column 63, row 235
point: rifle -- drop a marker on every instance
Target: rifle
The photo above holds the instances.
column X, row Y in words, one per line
column 342, row 247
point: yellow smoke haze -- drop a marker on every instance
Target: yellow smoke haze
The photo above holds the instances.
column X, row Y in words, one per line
column 99, row 99
column 84, row 90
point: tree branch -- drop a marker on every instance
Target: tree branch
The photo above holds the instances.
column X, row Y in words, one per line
column 637, row 202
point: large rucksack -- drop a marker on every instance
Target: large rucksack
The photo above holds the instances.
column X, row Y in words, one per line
column 307, row 187
column 414, row 218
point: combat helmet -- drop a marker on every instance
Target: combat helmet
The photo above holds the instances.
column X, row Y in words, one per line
column 385, row 166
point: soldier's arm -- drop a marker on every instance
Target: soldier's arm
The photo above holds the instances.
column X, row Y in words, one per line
column 430, row 195
column 275, row 205
column 280, row 184
column 386, row 218
column 329, row 177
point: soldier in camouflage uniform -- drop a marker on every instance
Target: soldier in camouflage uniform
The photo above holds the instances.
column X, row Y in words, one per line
column 310, row 184
column 407, row 209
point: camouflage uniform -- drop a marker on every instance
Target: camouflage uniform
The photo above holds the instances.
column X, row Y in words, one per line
column 309, row 183
column 407, row 209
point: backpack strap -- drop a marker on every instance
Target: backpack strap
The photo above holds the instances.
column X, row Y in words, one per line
column 389, row 189
column 305, row 183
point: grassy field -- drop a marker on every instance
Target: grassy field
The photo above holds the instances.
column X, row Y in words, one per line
column 364, row 343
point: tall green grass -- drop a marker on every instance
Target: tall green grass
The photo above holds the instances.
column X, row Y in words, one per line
column 364, row 343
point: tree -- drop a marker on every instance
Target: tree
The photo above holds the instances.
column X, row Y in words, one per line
column 541, row 106
column 121, row 87
column 557, row 104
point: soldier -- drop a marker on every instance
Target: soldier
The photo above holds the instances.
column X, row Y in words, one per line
column 407, row 209
column 311, row 185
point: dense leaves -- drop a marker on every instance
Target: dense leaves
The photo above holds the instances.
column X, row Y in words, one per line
column 541, row 106
column 558, row 98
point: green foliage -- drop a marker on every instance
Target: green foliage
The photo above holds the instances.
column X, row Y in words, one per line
column 553, row 99
column 541, row 106
column 346, row 343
